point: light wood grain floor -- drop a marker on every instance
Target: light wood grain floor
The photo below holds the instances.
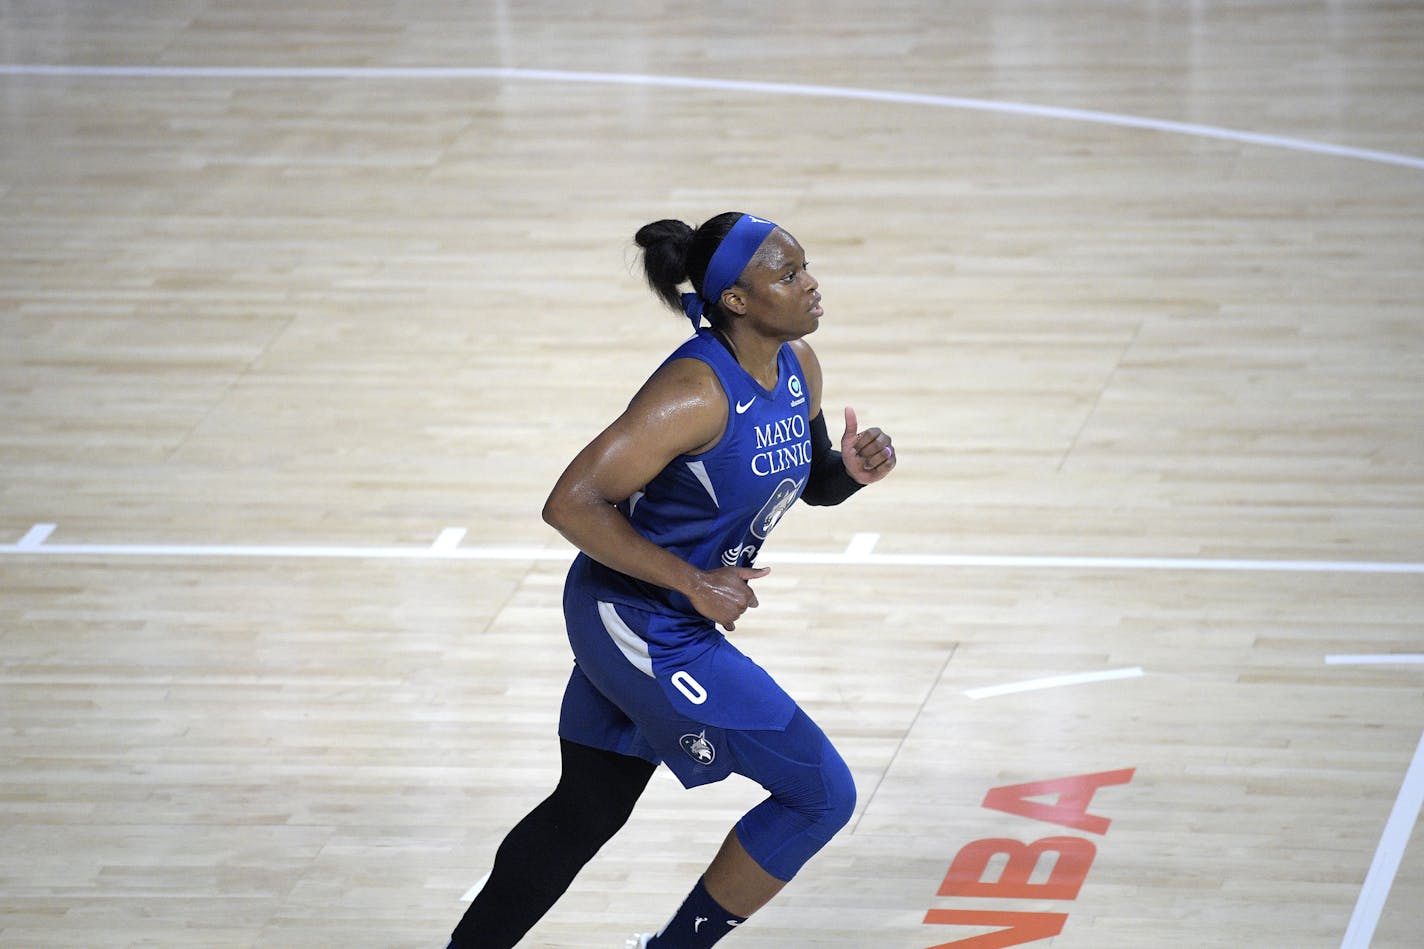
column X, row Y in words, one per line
column 304, row 305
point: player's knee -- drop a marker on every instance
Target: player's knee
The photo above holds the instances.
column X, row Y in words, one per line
column 837, row 801
column 829, row 810
column 820, row 791
column 799, row 819
column 840, row 793
column 590, row 826
column 595, row 794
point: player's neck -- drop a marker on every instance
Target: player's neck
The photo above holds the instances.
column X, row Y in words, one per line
column 756, row 354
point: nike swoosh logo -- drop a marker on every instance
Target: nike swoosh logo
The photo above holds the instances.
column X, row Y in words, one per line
column 749, row 403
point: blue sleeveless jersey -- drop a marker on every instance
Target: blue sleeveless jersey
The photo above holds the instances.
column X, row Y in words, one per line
column 717, row 508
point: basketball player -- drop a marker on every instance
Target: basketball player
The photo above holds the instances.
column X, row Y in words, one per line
column 669, row 506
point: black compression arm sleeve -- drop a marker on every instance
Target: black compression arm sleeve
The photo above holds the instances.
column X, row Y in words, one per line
column 828, row 482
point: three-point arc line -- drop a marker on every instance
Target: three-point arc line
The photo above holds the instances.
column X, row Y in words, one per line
column 43, row 70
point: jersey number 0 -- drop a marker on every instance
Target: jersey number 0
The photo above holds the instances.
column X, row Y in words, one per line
column 688, row 686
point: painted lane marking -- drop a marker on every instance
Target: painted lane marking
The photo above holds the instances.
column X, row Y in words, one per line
column 474, row 891
column 36, row 536
column 850, row 556
column 1106, row 563
column 861, row 545
column 1388, row 855
column 1053, row 682
column 1383, row 659
column 279, row 552
column 721, row 85
column 449, row 539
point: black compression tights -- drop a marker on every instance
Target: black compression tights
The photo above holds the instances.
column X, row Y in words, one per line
column 540, row 857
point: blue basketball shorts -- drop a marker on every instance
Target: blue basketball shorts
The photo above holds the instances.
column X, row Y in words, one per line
column 706, row 711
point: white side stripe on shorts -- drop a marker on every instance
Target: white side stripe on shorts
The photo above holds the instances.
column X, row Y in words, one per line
column 633, row 646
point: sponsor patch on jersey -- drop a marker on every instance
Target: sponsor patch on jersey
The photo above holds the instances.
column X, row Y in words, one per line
column 740, row 555
column 794, row 385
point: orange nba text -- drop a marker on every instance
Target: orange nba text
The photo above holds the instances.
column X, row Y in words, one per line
column 969, row 872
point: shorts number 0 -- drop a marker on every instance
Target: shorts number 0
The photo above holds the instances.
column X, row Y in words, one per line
column 689, row 687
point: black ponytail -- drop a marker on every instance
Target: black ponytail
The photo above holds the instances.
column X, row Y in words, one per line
column 674, row 253
column 665, row 244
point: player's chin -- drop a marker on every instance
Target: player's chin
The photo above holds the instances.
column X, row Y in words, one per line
column 805, row 328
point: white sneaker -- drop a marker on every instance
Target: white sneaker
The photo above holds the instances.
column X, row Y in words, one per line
column 638, row 941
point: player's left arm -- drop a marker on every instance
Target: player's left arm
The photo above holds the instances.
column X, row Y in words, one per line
column 864, row 456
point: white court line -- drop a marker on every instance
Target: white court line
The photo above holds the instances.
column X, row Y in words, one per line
column 474, row 891
column 845, row 558
column 1106, row 563
column 1053, row 682
column 36, row 536
column 721, row 85
column 861, row 545
column 1381, row 659
column 1388, row 854
column 299, row 551
column 449, row 538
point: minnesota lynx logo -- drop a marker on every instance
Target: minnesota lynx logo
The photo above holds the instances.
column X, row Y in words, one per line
column 778, row 504
column 699, row 748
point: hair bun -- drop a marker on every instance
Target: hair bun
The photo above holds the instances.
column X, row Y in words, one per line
column 666, row 231
column 665, row 244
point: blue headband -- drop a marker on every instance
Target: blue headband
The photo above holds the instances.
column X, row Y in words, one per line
column 727, row 264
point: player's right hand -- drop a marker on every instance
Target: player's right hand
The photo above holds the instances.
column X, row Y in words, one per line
column 724, row 594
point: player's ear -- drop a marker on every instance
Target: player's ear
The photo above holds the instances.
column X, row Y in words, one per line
column 733, row 301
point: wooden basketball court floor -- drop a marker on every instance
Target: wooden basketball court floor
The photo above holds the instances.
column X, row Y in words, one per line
column 304, row 306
